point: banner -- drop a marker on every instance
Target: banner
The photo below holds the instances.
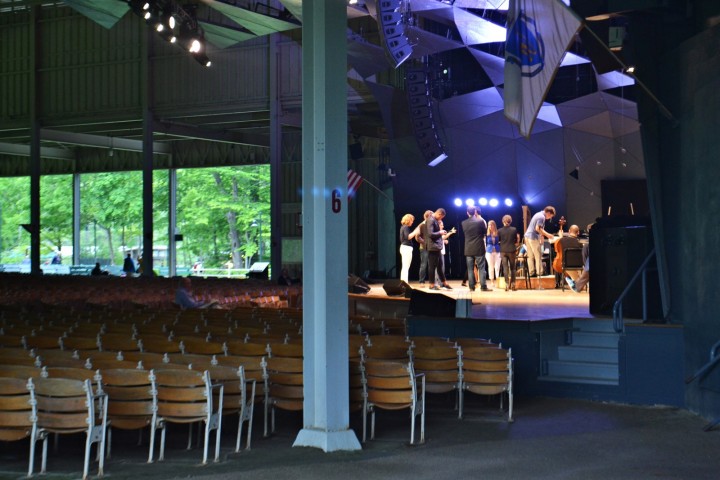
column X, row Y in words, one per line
column 538, row 34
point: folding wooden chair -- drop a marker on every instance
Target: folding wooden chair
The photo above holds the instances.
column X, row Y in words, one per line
column 441, row 367
column 186, row 396
column 66, row 406
column 487, row 371
column 131, row 404
column 17, row 413
column 238, row 397
column 393, row 385
column 283, row 378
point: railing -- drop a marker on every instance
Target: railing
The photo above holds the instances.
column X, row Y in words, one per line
column 702, row 372
column 618, row 323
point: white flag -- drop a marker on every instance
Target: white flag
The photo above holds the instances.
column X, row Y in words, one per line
column 538, row 34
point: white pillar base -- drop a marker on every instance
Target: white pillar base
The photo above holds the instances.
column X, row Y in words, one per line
column 344, row 440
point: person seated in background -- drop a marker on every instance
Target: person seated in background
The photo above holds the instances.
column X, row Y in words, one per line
column 184, row 298
column 97, row 270
column 561, row 244
column 284, row 278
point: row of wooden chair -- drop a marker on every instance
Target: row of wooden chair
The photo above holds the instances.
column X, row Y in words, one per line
column 124, row 399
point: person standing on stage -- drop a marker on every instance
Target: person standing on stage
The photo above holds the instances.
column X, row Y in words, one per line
column 419, row 235
column 474, row 228
column 406, row 246
column 434, row 243
column 509, row 241
column 534, row 240
column 492, row 252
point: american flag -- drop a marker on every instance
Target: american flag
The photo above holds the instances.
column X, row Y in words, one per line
column 354, row 182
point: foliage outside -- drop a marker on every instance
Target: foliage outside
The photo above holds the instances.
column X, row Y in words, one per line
column 223, row 215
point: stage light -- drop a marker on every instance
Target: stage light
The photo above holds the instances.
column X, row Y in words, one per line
column 458, row 202
column 470, row 202
column 508, row 202
column 493, row 202
column 482, row 201
column 159, row 27
column 195, row 46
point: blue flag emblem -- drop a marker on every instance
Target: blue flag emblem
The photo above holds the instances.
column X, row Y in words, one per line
column 525, row 47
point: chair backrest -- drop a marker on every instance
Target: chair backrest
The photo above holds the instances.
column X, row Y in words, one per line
column 390, row 385
column 198, row 362
column 130, row 397
column 17, row 409
column 284, row 382
column 357, row 389
column 118, row 342
column 183, row 396
column 285, row 350
column 63, row 405
column 17, row 356
column 401, row 352
column 572, row 258
column 19, row 371
column 234, row 389
column 250, row 349
column 486, row 371
column 79, row 343
column 441, row 366
column 158, row 344
column 201, row 346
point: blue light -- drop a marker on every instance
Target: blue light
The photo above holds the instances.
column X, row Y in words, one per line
column 508, row 202
column 458, row 202
column 494, row 202
column 483, row 201
column 469, row 202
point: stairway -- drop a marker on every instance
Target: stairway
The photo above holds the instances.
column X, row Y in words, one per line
column 589, row 357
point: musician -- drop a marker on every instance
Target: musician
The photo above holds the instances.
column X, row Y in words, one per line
column 434, row 242
column 567, row 241
column 533, row 240
column 475, row 228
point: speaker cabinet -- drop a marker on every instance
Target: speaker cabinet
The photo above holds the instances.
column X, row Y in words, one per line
column 397, row 288
column 431, row 304
column 616, row 253
column 421, row 114
column 392, row 31
column 357, row 285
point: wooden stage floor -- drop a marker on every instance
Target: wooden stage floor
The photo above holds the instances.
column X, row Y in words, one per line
column 525, row 305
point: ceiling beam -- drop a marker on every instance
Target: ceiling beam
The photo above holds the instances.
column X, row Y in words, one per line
column 45, row 152
column 225, row 136
column 99, row 141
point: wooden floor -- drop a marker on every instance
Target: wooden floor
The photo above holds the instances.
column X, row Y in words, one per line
column 532, row 305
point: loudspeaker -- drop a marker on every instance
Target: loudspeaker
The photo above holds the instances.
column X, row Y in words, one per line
column 616, row 253
column 392, row 32
column 356, row 285
column 259, row 270
column 431, row 304
column 423, row 123
column 397, row 288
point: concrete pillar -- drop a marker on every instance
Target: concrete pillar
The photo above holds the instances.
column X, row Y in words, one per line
column 325, row 230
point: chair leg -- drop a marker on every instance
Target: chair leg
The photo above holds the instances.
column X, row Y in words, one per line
column 88, row 443
column 43, row 463
column 412, row 425
column 218, row 432
column 189, row 444
column 207, row 439
column 161, row 456
column 372, row 425
column 461, row 400
column 240, row 428
column 33, row 439
column 250, row 420
column 151, row 450
column 265, row 417
column 364, row 435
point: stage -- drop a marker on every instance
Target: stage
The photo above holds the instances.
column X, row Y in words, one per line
column 535, row 304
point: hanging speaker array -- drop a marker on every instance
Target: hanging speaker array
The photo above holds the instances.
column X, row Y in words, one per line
column 417, row 85
column 392, row 31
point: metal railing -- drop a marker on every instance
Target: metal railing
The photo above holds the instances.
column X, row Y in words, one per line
column 618, row 323
column 702, row 372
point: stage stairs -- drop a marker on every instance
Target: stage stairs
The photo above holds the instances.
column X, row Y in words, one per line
column 589, row 355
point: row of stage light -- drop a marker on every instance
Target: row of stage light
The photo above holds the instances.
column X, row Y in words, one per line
column 483, row 202
column 174, row 24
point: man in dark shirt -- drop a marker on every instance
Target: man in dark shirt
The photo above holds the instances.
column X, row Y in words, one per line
column 474, row 228
column 434, row 243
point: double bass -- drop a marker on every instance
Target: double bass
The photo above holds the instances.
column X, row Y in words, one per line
column 558, row 261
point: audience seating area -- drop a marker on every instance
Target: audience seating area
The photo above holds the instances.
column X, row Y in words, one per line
column 139, row 363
